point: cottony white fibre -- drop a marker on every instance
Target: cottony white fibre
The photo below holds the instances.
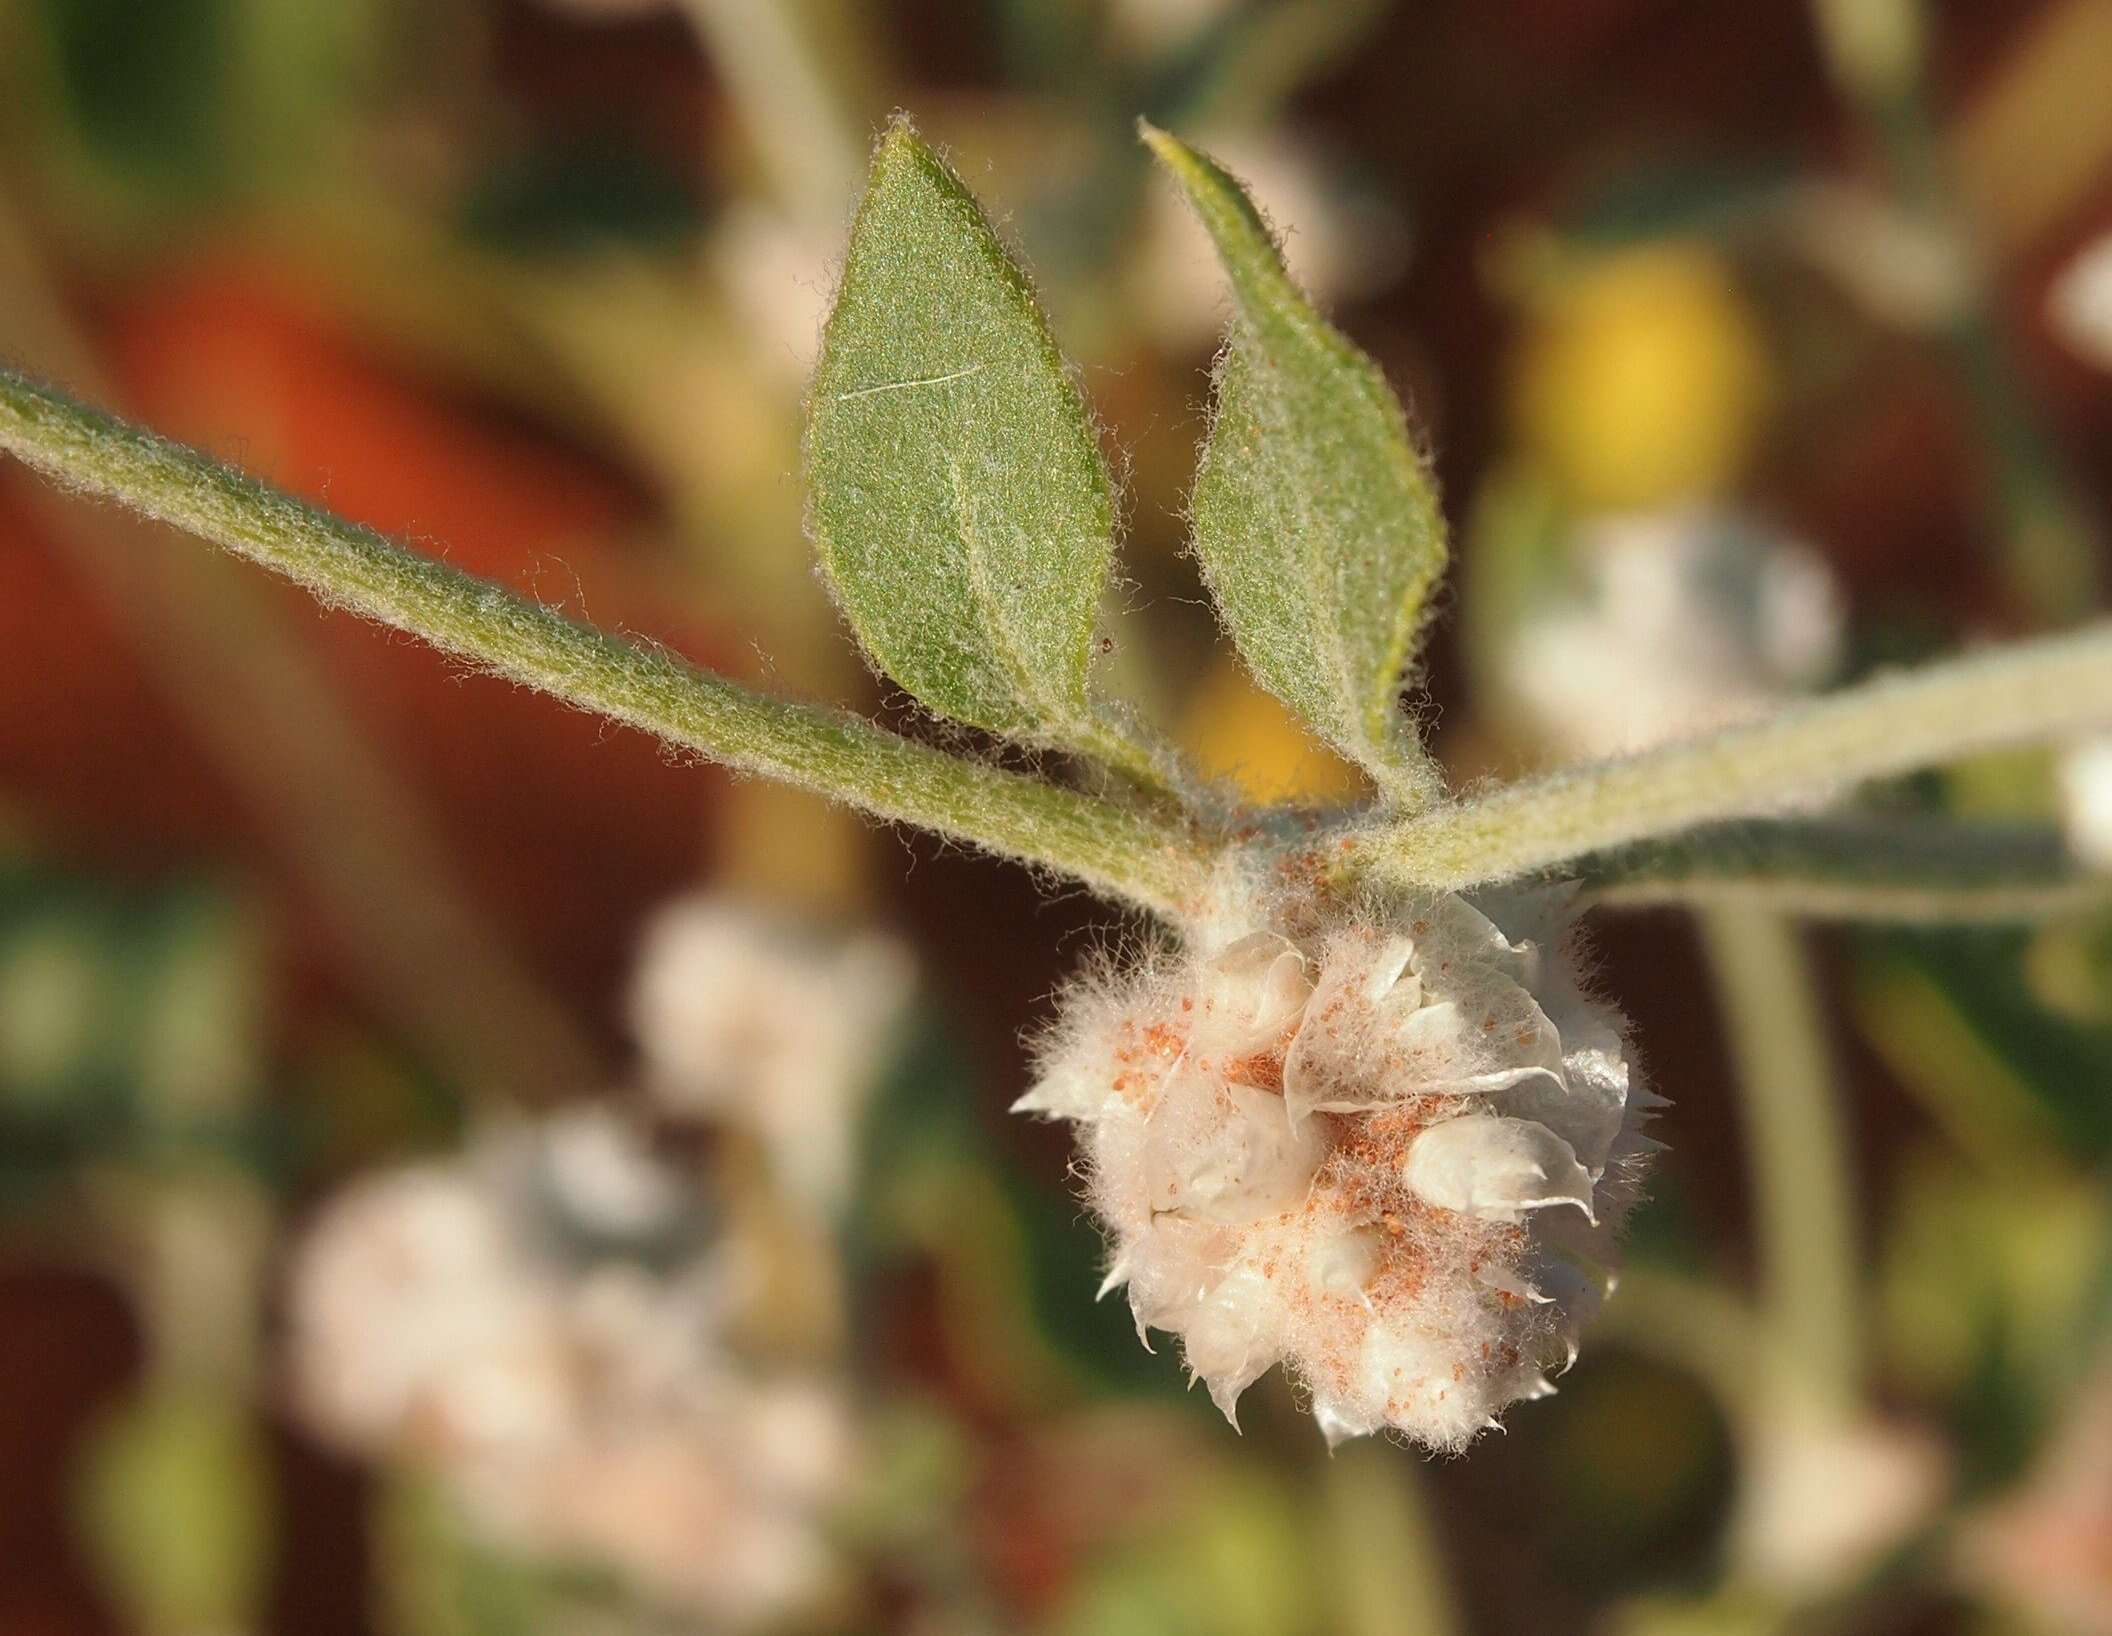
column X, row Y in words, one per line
column 1389, row 1152
column 542, row 1324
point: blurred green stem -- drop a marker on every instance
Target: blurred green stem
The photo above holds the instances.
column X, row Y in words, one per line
column 1387, row 1563
column 1692, row 1325
column 1901, row 868
column 1877, row 52
column 771, row 60
column 1798, row 1153
column 193, row 1249
column 1147, row 860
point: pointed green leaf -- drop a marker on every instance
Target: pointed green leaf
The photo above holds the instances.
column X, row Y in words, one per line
column 1315, row 517
column 959, row 499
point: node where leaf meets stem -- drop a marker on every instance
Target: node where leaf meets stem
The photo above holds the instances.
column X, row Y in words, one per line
column 2051, row 688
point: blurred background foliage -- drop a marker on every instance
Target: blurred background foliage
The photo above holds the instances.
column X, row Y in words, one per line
column 536, row 283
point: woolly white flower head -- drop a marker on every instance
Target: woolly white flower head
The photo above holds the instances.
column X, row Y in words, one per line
column 1387, row 1149
column 754, row 1018
column 1686, row 621
column 541, row 1323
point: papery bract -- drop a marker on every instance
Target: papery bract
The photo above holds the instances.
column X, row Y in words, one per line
column 1389, row 1153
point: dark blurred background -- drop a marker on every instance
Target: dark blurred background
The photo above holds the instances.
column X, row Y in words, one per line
column 285, row 901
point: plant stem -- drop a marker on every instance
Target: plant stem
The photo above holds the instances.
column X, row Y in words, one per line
column 1905, row 869
column 1692, row 1324
column 352, row 838
column 1963, row 1084
column 1385, row 1557
column 2048, row 688
column 1147, row 860
column 1797, row 1154
column 1878, row 54
column 784, row 87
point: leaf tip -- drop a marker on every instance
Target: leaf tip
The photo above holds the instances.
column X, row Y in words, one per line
column 1184, row 162
column 905, row 165
column 900, row 144
column 1245, row 241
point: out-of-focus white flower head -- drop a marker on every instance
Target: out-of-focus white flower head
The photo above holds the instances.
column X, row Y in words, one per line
column 1386, row 1148
column 414, row 1326
column 2079, row 305
column 540, row 1323
column 2046, row 1548
column 1686, row 621
column 761, row 1021
column 1826, row 1498
column 2086, row 801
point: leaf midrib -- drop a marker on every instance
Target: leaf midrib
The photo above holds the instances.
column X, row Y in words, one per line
column 1333, row 638
column 1281, row 305
column 1030, row 686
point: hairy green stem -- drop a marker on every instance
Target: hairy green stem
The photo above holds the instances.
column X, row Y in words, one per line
column 1144, row 859
column 1900, row 868
column 2049, row 688
column 353, row 839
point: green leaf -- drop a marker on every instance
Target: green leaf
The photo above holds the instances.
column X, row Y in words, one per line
column 959, row 500
column 1315, row 517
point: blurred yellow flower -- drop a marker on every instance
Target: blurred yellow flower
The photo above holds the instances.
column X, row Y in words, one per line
column 1238, row 732
column 1643, row 378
